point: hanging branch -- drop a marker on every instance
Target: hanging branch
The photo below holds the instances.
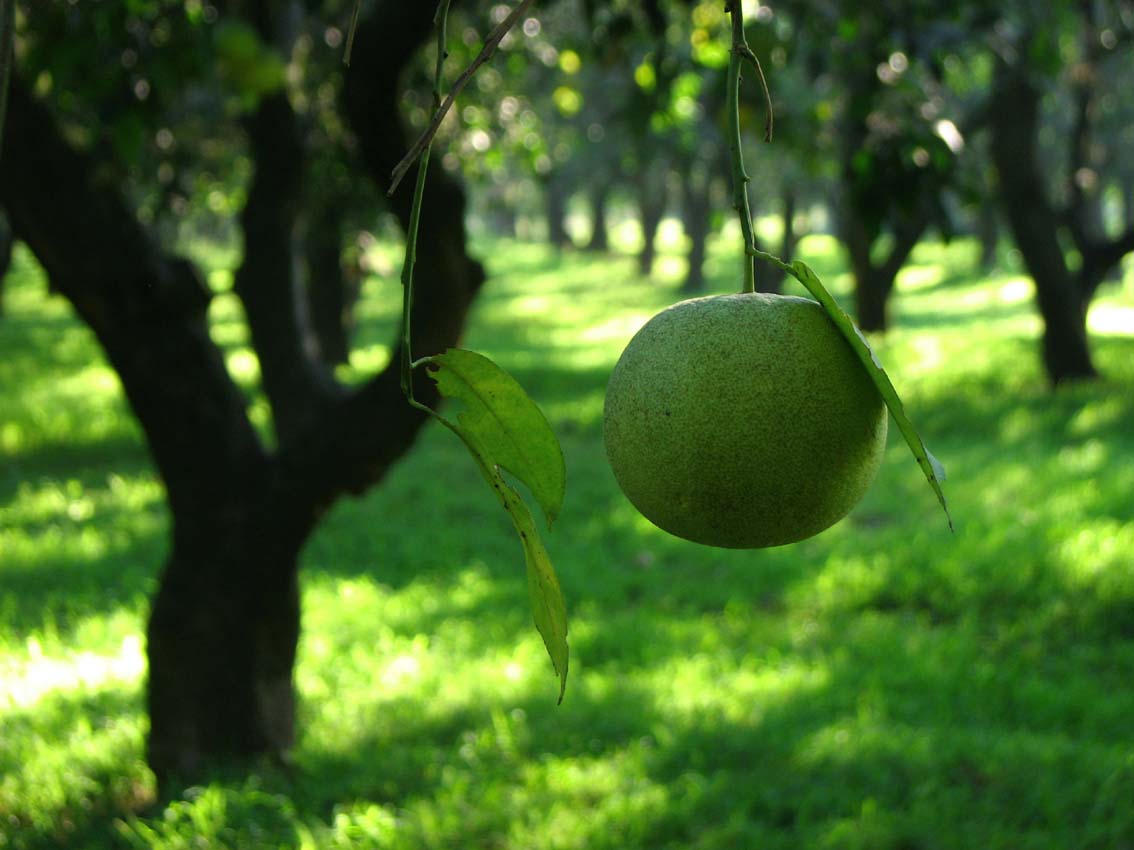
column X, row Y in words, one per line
column 486, row 53
column 440, row 22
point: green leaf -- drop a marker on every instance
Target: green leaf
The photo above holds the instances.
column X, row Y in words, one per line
column 504, row 429
column 930, row 465
column 504, row 424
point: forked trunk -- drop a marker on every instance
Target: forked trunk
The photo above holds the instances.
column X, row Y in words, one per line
column 1035, row 226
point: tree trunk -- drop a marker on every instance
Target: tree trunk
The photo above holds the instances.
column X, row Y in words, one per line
column 872, row 298
column 224, row 623
column 331, row 295
column 770, row 278
column 222, row 639
column 871, row 289
column 598, row 240
column 651, row 208
column 695, row 218
column 1035, row 226
column 148, row 311
column 873, row 279
column 555, row 205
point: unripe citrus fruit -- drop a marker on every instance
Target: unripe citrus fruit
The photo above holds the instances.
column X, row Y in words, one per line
column 743, row 421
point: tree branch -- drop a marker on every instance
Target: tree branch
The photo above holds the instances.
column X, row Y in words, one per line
column 296, row 382
column 353, row 445
column 147, row 309
column 486, row 53
column 1099, row 257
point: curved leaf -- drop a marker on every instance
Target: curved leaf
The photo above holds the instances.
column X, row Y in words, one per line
column 505, row 425
column 504, row 429
column 930, row 465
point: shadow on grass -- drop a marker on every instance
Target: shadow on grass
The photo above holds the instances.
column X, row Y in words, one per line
column 57, row 594
column 930, row 726
column 877, row 687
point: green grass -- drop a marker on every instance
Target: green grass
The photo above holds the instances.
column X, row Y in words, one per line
column 884, row 685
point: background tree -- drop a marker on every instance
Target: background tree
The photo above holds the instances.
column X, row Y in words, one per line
column 1030, row 52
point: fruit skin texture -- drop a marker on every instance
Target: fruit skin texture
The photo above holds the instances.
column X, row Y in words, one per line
column 743, row 421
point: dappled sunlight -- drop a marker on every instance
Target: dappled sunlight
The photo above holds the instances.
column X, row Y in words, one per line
column 1111, row 319
column 704, row 688
column 81, row 406
column 834, row 690
column 24, row 683
column 912, row 278
column 243, row 366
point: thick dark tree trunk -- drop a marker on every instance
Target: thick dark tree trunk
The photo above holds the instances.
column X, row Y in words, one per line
column 1014, row 124
column 695, row 219
column 872, row 298
column 222, row 639
column 598, row 241
column 224, row 624
column 331, row 292
column 148, row 311
column 651, row 208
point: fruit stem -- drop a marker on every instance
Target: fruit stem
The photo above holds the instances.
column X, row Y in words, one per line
column 740, row 179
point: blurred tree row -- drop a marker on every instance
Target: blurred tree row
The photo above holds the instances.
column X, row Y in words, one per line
column 138, row 127
column 918, row 118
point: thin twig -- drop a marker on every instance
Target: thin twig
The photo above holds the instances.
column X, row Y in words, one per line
column 440, row 21
column 486, row 52
column 769, row 122
column 351, row 31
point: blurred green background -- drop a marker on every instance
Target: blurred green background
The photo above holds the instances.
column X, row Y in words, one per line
column 886, row 684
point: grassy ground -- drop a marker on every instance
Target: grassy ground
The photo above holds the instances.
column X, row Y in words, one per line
column 885, row 685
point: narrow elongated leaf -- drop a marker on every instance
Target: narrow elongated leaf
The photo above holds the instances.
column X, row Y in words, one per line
column 930, row 465
column 505, row 425
column 504, row 429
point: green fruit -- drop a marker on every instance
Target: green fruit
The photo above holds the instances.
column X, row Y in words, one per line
column 743, row 421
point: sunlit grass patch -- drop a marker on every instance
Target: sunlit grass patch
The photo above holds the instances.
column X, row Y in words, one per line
column 886, row 684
